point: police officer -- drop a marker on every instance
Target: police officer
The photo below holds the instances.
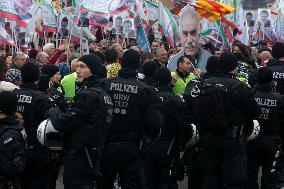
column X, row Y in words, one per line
column 261, row 151
column 163, row 166
column 191, row 157
column 12, row 143
column 223, row 145
column 135, row 116
column 50, row 84
column 84, row 125
column 32, row 104
column 148, row 70
column 277, row 67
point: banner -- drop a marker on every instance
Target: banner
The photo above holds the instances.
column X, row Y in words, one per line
column 49, row 20
column 8, row 10
column 104, row 6
column 65, row 22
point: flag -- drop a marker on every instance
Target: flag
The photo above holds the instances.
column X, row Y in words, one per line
column 99, row 20
column 104, row 6
column 141, row 37
column 212, row 10
column 152, row 12
column 141, row 12
column 49, row 19
column 142, row 40
column 13, row 10
column 223, row 33
column 5, row 38
column 88, row 33
column 76, row 34
column 167, row 24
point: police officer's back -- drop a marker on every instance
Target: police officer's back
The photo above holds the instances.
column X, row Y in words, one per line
column 12, row 143
column 223, row 108
column 32, row 104
column 134, row 115
column 84, row 125
column 277, row 67
column 163, row 166
column 261, row 151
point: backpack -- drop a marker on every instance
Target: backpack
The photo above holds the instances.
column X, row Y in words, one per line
column 209, row 106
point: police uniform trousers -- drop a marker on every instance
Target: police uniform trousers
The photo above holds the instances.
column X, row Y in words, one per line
column 123, row 158
column 157, row 167
column 261, row 152
column 192, row 162
column 224, row 162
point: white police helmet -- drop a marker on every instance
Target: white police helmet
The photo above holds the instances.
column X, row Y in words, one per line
column 195, row 136
column 255, row 132
column 48, row 136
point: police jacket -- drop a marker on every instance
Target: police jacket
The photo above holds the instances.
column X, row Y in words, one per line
column 134, row 112
column 86, row 123
column 176, row 122
column 33, row 105
column 278, row 120
column 267, row 102
column 12, row 148
column 240, row 106
column 277, row 68
column 58, row 98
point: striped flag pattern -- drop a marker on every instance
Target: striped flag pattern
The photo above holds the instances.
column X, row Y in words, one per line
column 5, row 38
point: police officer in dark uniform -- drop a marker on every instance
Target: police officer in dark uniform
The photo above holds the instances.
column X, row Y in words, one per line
column 261, row 151
column 277, row 67
column 49, row 83
column 223, row 145
column 12, row 143
column 191, row 156
column 163, row 166
column 85, row 125
column 135, row 117
column 33, row 104
column 148, row 70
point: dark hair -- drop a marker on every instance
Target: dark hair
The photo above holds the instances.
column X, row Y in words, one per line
column 180, row 60
column 43, row 83
column 3, row 68
column 262, row 43
column 101, row 55
column 111, row 56
column 245, row 54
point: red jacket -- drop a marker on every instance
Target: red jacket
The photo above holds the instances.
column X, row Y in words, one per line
column 53, row 59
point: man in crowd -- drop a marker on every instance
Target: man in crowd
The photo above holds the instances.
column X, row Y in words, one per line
column 52, row 52
column 13, row 75
column 189, row 25
column 69, row 82
column 42, row 58
column 162, row 56
column 182, row 76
